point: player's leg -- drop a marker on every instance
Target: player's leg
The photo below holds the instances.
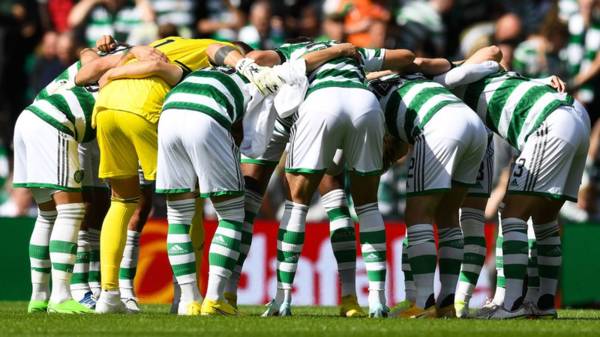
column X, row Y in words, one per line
column 128, row 265
column 545, row 225
column 124, row 140
column 541, row 173
column 85, row 283
column 223, row 253
column 124, row 200
column 363, row 148
column 97, row 202
column 343, row 241
column 450, row 248
column 196, row 233
column 47, row 161
column 533, row 279
column 313, row 141
column 372, row 239
column 180, row 211
column 472, row 222
column 549, row 257
column 256, row 178
column 291, row 238
column 63, row 249
column 421, row 204
column 257, row 173
column 177, row 178
column 39, row 252
column 39, row 255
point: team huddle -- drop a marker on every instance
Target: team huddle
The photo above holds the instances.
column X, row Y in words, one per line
column 208, row 119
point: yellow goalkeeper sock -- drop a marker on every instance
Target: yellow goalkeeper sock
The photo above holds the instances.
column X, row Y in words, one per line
column 112, row 240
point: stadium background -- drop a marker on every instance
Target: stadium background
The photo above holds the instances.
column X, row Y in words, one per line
column 38, row 39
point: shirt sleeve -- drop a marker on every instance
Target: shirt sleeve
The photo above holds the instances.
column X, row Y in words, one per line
column 467, row 73
column 372, row 58
column 284, row 52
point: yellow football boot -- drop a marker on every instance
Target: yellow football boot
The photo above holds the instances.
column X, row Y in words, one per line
column 446, row 312
column 416, row 312
column 350, row 308
column 231, row 298
column 217, row 308
column 401, row 307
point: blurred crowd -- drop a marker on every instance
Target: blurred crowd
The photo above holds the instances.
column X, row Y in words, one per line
column 40, row 38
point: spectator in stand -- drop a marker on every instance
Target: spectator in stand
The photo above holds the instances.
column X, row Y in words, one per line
column 583, row 55
column 19, row 35
column 96, row 18
column 365, row 22
column 309, row 23
column 179, row 13
column 66, row 49
column 538, row 56
column 332, row 27
column 507, row 36
column 46, row 65
column 54, row 14
column 421, row 27
column 219, row 19
column 260, row 33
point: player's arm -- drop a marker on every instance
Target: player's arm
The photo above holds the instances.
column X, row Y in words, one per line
column 490, row 53
column 169, row 72
column 267, row 58
column 429, row 66
column 316, row 58
column 436, row 66
column 397, row 58
column 377, row 74
column 223, row 54
column 467, row 73
column 265, row 80
column 87, row 55
column 91, row 71
column 553, row 81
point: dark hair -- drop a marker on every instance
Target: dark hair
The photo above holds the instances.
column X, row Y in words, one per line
column 300, row 39
column 243, row 46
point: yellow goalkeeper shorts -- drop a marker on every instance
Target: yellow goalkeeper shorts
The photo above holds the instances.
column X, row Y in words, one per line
column 126, row 140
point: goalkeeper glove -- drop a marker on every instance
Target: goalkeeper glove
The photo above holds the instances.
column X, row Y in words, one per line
column 264, row 78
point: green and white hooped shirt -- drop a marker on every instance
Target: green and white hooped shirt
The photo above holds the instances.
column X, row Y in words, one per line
column 342, row 72
column 511, row 105
column 409, row 103
column 218, row 92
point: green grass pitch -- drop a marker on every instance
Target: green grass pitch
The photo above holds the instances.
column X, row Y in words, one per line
column 308, row 321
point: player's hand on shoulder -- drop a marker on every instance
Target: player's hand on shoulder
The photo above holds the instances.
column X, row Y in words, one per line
column 104, row 79
column 558, row 84
column 146, row 53
column 106, row 44
column 347, row 50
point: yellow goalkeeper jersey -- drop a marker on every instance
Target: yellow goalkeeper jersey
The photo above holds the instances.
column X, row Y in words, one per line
column 145, row 96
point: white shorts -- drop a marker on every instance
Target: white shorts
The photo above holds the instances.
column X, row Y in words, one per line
column 449, row 149
column 45, row 157
column 277, row 144
column 552, row 159
column 194, row 150
column 337, row 118
column 485, row 176
column 89, row 157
